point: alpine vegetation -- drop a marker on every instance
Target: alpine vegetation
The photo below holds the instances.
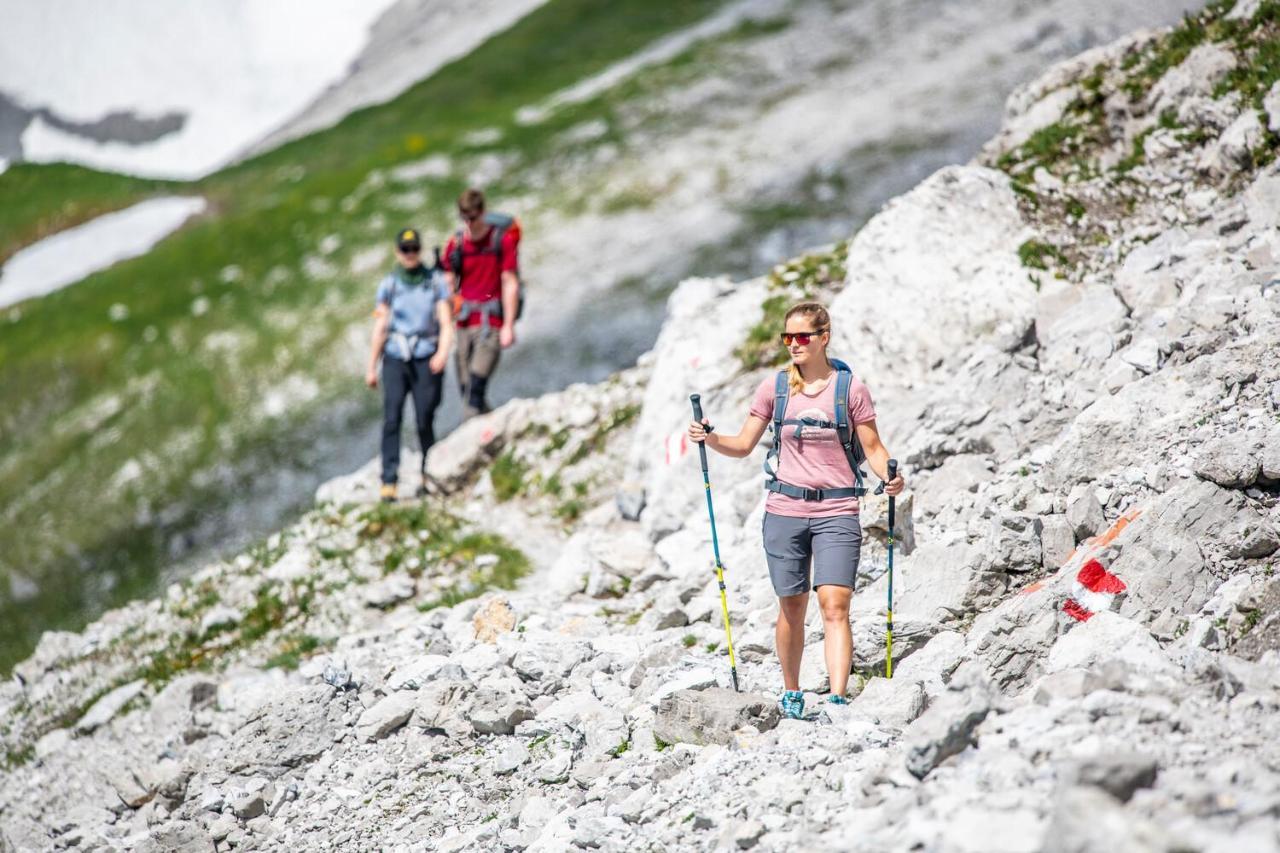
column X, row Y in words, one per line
column 1074, row 349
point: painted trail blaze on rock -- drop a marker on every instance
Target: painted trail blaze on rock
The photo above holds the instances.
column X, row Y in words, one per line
column 1095, row 578
column 676, row 445
column 1094, row 590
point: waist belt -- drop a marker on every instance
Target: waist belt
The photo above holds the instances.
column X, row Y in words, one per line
column 813, row 494
column 487, row 308
column 408, row 343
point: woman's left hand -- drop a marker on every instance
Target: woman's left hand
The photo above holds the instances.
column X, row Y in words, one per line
column 895, row 486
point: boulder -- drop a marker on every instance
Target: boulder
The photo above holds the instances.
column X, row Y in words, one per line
column 498, row 707
column 1086, row 819
column 1233, row 150
column 512, row 756
column 1147, row 279
column 418, row 671
column 1084, row 513
column 1161, row 557
column 949, row 248
column 289, row 730
column 947, row 727
column 1076, row 325
column 630, row 499
column 1231, row 460
column 874, row 515
column 1271, row 106
column 1104, row 637
column 1117, row 773
column 493, row 618
column 1057, row 540
column 441, row 706
column 389, row 591
column 101, row 712
column 712, row 715
column 933, row 665
column 1197, row 74
column 388, row 714
column 892, row 702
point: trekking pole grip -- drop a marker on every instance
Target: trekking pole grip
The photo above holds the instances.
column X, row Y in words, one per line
column 696, row 400
column 893, row 473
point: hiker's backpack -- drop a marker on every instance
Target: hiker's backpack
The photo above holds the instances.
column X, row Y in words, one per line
column 844, row 431
column 502, row 224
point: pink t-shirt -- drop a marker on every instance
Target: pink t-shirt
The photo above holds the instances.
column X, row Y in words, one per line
column 813, row 458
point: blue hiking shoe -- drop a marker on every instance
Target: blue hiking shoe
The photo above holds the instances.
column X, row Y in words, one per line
column 837, row 699
column 792, row 704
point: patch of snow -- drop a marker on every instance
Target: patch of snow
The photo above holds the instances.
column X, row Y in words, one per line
column 410, row 42
column 234, row 69
column 71, row 255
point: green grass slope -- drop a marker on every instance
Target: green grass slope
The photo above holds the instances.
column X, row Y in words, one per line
column 137, row 400
column 38, row 199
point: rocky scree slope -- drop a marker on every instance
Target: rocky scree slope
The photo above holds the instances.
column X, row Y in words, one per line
column 1086, row 611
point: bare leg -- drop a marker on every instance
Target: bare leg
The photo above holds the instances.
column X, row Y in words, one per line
column 789, row 637
column 837, row 639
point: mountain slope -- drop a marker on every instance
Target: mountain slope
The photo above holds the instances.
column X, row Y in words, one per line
column 124, row 441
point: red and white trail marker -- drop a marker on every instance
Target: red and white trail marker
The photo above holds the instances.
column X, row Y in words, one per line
column 1094, row 590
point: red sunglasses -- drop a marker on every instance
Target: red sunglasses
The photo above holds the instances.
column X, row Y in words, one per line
column 802, row 338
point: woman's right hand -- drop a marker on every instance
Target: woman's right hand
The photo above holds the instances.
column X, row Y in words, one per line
column 698, row 431
column 371, row 378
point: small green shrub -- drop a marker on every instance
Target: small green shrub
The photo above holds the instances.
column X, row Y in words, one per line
column 1034, row 254
column 508, row 476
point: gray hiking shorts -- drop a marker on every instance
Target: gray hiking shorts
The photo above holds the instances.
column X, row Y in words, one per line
column 832, row 544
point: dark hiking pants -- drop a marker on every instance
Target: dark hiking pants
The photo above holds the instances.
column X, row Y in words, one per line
column 401, row 379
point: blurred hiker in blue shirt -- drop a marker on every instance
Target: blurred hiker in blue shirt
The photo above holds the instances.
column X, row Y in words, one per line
column 413, row 331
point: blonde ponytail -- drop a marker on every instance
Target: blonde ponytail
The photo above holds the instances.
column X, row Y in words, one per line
column 817, row 314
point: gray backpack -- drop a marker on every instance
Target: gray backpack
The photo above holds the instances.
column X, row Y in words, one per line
column 844, row 431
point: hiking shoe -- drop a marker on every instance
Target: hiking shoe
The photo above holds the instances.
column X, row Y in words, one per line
column 387, row 494
column 837, row 699
column 792, row 704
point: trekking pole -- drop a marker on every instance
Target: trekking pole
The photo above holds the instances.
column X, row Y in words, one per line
column 715, row 542
column 888, row 638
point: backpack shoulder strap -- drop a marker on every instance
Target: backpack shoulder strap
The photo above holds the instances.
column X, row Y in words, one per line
column 844, row 429
column 501, row 224
column 455, row 256
column 781, row 392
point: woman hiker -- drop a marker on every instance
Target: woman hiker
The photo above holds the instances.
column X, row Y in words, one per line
column 412, row 333
column 811, row 513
